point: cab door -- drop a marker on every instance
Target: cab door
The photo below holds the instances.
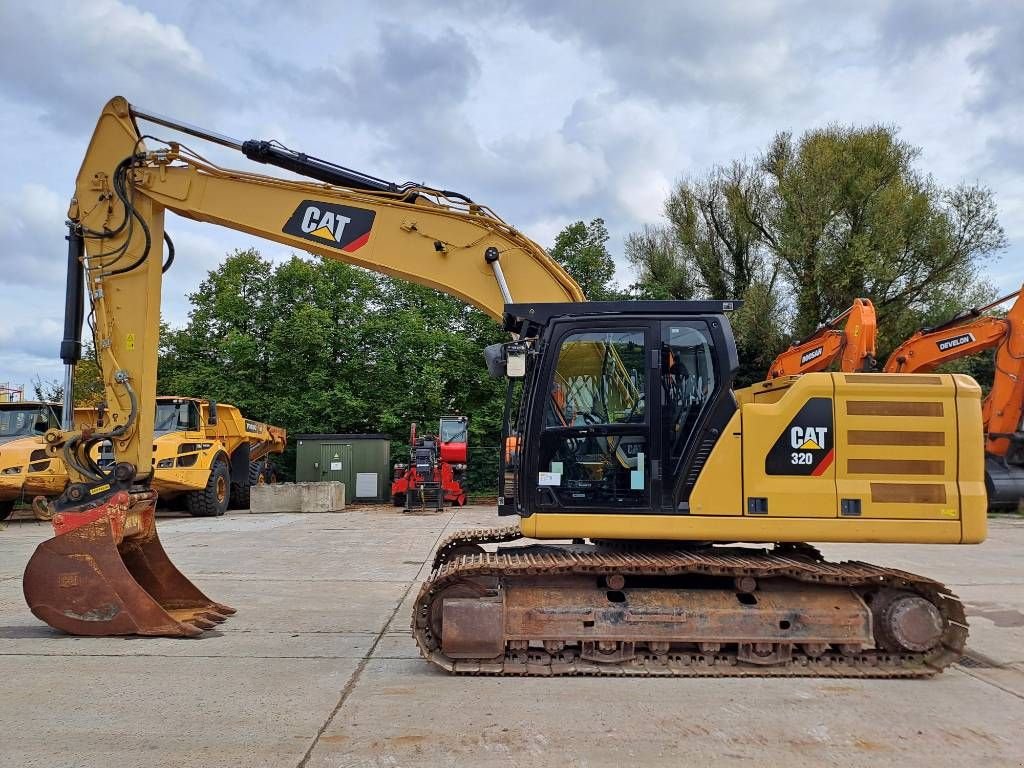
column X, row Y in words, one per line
column 593, row 408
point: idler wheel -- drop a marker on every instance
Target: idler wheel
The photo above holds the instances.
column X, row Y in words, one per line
column 907, row 622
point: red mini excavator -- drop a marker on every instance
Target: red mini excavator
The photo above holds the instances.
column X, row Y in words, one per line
column 966, row 334
column 855, row 342
column 436, row 469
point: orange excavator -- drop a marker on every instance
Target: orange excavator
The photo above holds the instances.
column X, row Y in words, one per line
column 967, row 334
column 854, row 342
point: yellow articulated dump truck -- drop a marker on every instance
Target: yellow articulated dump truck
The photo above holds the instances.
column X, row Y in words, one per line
column 25, row 470
column 206, row 456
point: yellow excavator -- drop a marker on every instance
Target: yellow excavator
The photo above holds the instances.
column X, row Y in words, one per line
column 631, row 459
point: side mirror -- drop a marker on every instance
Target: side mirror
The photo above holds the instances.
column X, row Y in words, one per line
column 506, row 360
column 212, row 420
column 494, row 356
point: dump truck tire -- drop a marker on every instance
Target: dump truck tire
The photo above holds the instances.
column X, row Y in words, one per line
column 6, row 509
column 260, row 473
column 213, row 500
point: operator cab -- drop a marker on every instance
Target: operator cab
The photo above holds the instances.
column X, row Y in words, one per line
column 454, row 437
column 623, row 402
column 176, row 415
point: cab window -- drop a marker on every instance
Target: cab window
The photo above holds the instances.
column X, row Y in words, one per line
column 593, row 447
column 176, row 417
column 687, row 383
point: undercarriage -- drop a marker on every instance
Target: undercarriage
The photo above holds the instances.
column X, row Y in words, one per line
column 620, row 608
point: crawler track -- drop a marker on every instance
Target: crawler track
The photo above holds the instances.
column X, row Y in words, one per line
column 487, row 577
column 473, row 539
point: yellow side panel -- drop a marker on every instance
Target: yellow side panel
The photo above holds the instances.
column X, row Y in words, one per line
column 897, row 445
column 764, row 425
column 973, row 496
column 719, row 489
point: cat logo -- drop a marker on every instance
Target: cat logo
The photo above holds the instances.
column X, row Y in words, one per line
column 324, row 224
column 336, row 226
column 808, row 438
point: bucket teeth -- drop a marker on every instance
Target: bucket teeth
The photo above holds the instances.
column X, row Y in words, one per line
column 106, row 573
column 190, row 630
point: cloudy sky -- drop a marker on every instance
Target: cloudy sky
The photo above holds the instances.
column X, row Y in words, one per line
column 548, row 111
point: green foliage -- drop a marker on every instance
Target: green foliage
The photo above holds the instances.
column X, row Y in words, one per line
column 811, row 225
column 47, row 390
column 88, row 383
column 582, row 250
column 482, row 469
column 319, row 346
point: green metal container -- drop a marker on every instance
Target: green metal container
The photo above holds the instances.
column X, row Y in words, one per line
column 361, row 462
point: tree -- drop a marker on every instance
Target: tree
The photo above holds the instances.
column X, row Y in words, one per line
column 664, row 271
column 88, row 384
column 582, row 250
column 709, row 250
column 47, row 390
column 848, row 215
column 320, row 346
column 812, row 224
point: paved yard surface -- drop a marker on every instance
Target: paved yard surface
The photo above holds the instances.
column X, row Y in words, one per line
column 318, row 669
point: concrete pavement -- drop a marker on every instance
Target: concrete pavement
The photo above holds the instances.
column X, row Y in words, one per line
column 318, row 669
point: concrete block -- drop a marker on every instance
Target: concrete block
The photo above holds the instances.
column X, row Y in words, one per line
column 298, row 497
column 322, row 497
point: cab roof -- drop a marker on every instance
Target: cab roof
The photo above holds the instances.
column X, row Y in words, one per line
column 544, row 313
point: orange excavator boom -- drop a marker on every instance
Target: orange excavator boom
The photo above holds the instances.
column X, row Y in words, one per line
column 967, row 334
column 854, row 343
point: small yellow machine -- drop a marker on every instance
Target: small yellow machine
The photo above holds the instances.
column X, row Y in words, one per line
column 25, row 469
column 206, row 455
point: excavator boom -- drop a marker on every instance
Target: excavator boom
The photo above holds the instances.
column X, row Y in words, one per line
column 1003, row 408
column 854, row 342
column 428, row 236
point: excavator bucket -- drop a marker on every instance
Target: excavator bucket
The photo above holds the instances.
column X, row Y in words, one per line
column 106, row 573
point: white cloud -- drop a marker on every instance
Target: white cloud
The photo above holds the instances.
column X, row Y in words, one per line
column 31, row 237
column 548, row 112
column 54, row 55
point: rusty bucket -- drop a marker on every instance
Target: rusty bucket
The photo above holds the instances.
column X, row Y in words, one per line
column 106, row 573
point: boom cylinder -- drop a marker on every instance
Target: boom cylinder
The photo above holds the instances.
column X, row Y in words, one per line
column 491, row 256
column 74, row 306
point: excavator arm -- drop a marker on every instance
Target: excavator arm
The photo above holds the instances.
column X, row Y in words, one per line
column 427, row 236
column 855, row 342
column 107, row 573
column 968, row 334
